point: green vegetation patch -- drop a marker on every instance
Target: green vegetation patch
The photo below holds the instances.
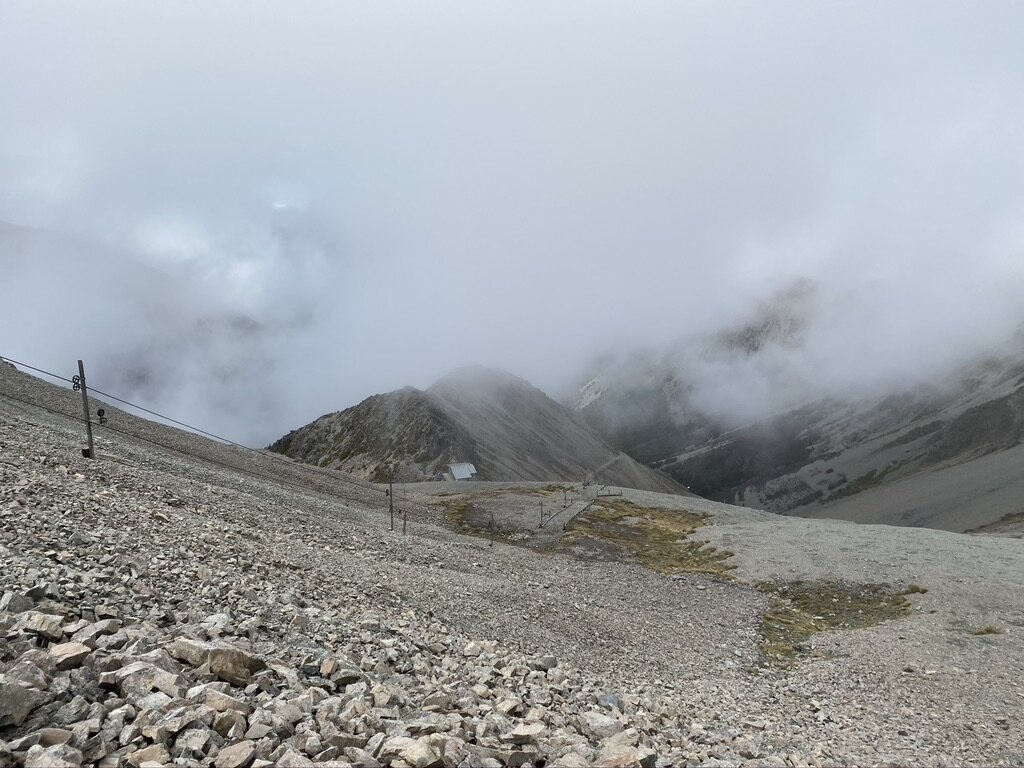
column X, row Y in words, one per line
column 804, row 608
column 456, row 510
column 657, row 538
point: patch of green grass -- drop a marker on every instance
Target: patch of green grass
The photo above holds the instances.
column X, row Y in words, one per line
column 805, row 608
column 455, row 511
column 657, row 538
column 988, row 629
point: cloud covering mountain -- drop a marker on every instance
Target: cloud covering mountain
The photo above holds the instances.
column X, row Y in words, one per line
column 390, row 191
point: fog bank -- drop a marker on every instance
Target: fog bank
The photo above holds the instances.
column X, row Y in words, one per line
column 251, row 214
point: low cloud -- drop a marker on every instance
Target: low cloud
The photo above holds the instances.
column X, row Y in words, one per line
column 251, row 219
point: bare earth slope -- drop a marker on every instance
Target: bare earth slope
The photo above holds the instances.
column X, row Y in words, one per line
column 196, row 602
column 960, row 497
column 507, row 428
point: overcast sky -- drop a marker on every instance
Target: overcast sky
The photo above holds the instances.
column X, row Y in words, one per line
column 393, row 189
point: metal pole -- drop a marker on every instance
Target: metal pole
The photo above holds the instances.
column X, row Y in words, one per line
column 89, row 453
column 391, row 501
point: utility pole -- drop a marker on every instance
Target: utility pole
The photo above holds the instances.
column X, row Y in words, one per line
column 391, row 500
column 78, row 382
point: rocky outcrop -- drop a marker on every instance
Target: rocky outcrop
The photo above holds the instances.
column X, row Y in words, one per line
column 404, row 435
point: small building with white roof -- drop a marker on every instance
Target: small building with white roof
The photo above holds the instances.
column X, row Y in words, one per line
column 462, row 471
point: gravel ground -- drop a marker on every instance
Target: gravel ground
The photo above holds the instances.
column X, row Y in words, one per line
column 921, row 690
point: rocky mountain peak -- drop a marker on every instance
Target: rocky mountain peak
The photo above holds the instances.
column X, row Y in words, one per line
column 506, row 427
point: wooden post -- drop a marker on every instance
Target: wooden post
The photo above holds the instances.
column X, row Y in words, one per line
column 541, row 515
column 391, row 501
column 405, row 520
column 88, row 453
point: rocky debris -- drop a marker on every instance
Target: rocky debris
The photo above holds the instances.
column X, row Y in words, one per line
column 239, row 755
column 55, row 756
column 44, row 625
column 600, row 726
column 183, row 672
column 68, row 655
column 17, row 701
column 155, row 609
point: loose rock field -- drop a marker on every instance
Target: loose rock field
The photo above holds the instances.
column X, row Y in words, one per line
column 159, row 608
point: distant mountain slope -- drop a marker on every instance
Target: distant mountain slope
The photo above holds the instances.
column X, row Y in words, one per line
column 509, row 429
column 881, row 461
column 405, row 434
column 938, row 458
column 935, row 456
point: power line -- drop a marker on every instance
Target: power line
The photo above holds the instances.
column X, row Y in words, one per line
column 131, row 404
column 301, row 466
column 168, row 418
column 38, row 370
column 191, row 427
column 157, row 443
column 45, row 408
column 258, row 452
column 233, row 467
column 320, row 473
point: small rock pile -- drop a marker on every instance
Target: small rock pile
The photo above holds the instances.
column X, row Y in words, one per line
column 91, row 686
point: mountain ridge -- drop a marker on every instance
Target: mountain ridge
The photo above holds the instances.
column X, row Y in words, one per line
column 813, row 459
column 506, row 427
